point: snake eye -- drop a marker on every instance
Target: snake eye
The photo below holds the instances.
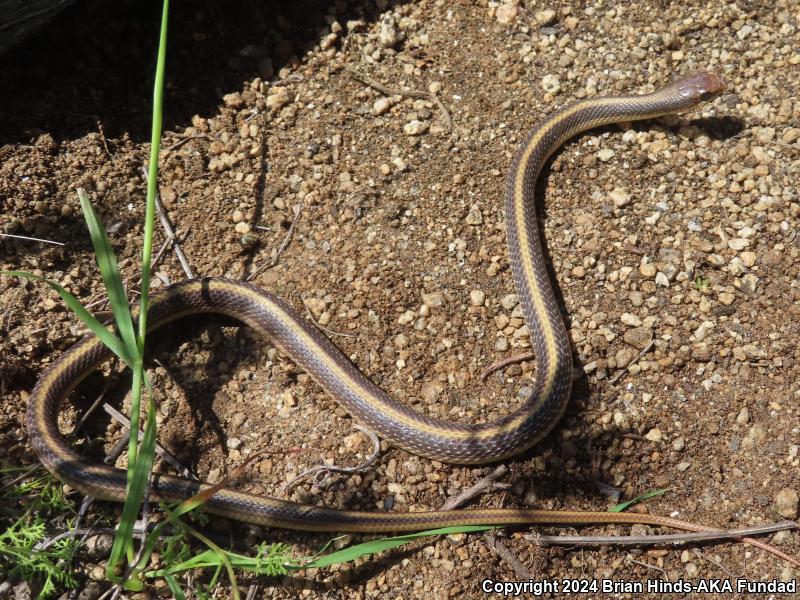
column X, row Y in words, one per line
column 706, row 95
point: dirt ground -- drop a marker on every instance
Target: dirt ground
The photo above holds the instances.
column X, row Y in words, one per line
column 673, row 245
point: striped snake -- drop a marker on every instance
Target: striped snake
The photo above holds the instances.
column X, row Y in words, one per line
column 403, row 427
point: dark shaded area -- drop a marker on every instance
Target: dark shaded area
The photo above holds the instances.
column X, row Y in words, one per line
column 720, row 128
column 94, row 63
column 18, row 19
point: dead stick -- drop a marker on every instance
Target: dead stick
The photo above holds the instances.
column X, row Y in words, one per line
column 499, row 548
column 667, row 539
column 476, row 489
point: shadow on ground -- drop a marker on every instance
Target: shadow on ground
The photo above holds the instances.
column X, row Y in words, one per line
column 92, row 66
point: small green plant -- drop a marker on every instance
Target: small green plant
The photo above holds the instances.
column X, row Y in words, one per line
column 623, row 506
column 701, row 283
column 129, row 344
column 38, row 499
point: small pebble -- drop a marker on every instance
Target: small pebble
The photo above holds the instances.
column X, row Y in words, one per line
column 654, row 435
column 743, row 416
column 738, row 243
column 630, row 319
column 647, row 270
column 381, row 105
column 551, row 84
column 786, row 501
column 509, row 301
column 415, row 128
column 278, row 97
column 605, row 154
column 618, row 196
column 433, row 299
column 726, row 298
column 477, row 298
column 506, row 13
column 545, row 17
column 474, row 216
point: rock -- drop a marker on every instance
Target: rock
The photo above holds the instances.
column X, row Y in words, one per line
column 630, row 319
column 647, row 269
column 433, row 299
column 381, row 105
column 354, row 441
column 786, row 501
column 748, row 258
column 431, row 391
column 754, row 437
column 701, row 352
column 605, row 154
column 406, row 317
column 315, row 305
column 506, row 13
column 477, row 298
column 654, row 435
column 233, row 100
column 509, row 301
column 638, row 337
column 545, row 17
column 619, row 196
column 738, row 243
column 624, row 357
column 726, row 298
column 551, row 84
column 278, row 97
column 388, row 36
column 474, row 216
column 415, row 128
column 743, row 416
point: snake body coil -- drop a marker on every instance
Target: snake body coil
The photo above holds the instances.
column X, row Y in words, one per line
column 403, row 427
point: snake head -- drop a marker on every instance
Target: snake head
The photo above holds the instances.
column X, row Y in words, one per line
column 700, row 87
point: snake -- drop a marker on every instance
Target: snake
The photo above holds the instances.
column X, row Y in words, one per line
column 300, row 340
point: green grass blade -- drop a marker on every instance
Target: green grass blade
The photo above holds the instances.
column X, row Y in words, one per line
column 106, row 336
column 174, row 587
column 140, row 461
column 123, row 541
column 622, row 506
column 152, row 174
column 109, row 269
column 374, row 546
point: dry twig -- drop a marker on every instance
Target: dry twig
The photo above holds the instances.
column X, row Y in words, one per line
column 118, row 416
column 31, row 239
column 476, row 489
column 320, row 470
column 282, row 248
column 162, row 217
column 500, row 549
column 503, row 363
column 675, row 539
column 622, row 372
